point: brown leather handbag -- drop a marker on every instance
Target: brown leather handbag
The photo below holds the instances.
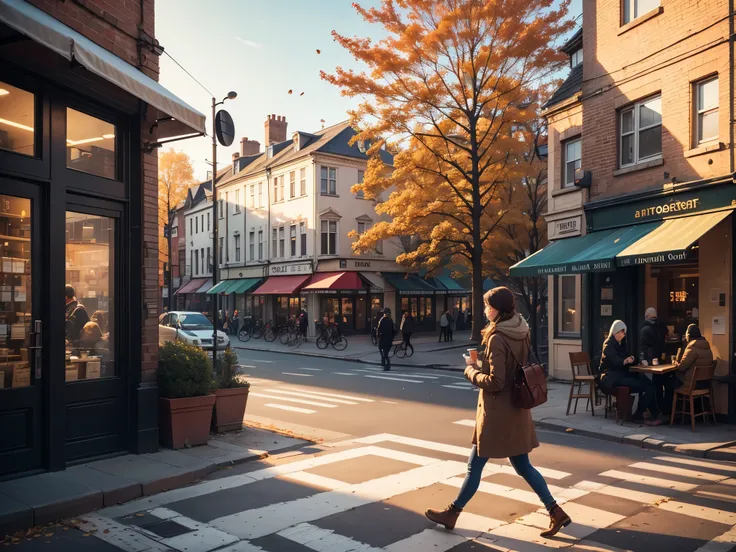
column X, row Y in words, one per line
column 529, row 383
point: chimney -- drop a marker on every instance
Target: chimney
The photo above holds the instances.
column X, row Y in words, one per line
column 236, row 155
column 236, row 163
column 249, row 147
column 275, row 129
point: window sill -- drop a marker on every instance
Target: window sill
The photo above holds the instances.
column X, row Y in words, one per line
column 639, row 167
column 639, row 20
column 707, row 147
column 565, row 191
column 329, row 195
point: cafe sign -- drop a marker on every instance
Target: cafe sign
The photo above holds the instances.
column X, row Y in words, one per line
column 289, row 269
column 565, row 228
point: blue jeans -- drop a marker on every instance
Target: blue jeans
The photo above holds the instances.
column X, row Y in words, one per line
column 523, row 468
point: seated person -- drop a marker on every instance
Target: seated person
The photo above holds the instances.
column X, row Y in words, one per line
column 615, row 372
column 698, row 354
column 91, row 339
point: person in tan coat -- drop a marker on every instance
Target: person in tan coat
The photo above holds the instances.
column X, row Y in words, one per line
column 501, row 429
column 698, row 354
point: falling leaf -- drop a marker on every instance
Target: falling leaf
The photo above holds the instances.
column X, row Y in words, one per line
column 319, row 52
column 290, row 91
column 301, row 94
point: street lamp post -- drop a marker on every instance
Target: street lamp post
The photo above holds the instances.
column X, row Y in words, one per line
column 215, row 256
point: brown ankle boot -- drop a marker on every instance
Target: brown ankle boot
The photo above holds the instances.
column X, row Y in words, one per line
column 447, row 517
column 557, row 520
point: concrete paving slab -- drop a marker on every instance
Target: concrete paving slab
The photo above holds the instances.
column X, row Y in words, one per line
column 14, row 515
column 115, row 488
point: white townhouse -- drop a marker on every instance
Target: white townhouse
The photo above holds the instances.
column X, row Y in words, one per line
column 284, row 219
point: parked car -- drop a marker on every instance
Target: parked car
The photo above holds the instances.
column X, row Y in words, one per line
column 193, row 328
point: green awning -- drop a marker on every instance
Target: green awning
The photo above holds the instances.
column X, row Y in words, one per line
column 595, row 252
column 221, row 287
column 244, row 285
column 409, row 284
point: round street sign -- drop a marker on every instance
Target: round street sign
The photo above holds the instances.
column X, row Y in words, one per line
column 224, row 128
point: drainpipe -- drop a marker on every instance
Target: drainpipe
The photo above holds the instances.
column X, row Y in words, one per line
column 731, row 82
column 315, row 241
column 267, row 236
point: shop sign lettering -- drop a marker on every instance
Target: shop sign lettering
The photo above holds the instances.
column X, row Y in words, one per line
column 658, row 258
column 362, row 264
column 291, row 269
column 667, row 208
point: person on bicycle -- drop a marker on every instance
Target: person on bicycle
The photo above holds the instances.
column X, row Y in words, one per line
column 386, row 331
column 407, row 328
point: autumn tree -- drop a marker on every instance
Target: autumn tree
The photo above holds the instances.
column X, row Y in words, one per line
column 449, row 84
column 175, row 175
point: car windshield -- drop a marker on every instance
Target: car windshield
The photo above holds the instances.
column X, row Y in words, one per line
column 194, row 320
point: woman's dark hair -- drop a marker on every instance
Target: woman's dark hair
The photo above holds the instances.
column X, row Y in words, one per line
column 503, row 301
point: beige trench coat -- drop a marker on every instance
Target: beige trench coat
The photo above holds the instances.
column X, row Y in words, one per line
column 501, row 429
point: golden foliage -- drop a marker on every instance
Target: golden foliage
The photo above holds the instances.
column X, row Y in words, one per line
column 175, row 175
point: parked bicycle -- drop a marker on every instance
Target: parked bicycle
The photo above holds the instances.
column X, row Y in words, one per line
column 270, row 332
column 254, row 329
column 330, row 336
column 400, row 350
column 287, row 331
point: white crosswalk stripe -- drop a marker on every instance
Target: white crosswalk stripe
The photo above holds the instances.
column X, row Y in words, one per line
column 403, row 380
column 290, row 408
column 288, row 399
column 308, row 394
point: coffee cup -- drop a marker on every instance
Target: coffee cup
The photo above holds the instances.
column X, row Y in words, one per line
column 655, row 362
column 473, row 354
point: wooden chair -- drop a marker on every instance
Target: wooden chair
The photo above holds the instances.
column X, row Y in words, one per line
column 688, row 394
column 581, row 375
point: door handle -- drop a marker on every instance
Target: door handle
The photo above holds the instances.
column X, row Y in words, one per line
column 36, row 348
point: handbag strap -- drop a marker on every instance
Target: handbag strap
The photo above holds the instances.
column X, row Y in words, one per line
column 527, row 340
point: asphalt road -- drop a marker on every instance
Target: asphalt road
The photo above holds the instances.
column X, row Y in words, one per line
column 409, row 433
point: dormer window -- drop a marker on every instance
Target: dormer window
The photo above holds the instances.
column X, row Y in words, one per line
column 576, row 58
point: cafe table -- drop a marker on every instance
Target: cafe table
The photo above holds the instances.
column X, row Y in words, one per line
column 653, row 370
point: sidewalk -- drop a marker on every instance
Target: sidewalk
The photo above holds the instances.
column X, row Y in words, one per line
column 42, row 499
column 428, row 352
column 708, row 441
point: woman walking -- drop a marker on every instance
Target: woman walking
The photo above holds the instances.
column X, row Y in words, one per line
column 407, row 328
column 501, row 429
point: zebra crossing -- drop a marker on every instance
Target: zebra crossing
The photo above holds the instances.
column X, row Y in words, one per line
column 369, row 493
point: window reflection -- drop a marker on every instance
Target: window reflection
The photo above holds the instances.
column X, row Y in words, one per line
column 15, row 292
column 17, row 120
column 89, row 296
column 90, row 144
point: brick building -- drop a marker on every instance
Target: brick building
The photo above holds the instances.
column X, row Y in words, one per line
column 655, row 178
column 81, row 113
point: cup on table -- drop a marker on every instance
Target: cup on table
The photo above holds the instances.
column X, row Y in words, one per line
column 655, row 362
column 644, row 363
column 473, row 353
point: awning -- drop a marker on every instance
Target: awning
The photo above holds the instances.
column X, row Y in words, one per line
column 594, row 252
column 191, row 287
column 409, row 284
column 243, row 285
column 670, row 241
column 334, row 281
column 281, row 285
column 221, row 287
column 68, row 43
column 453, row 288
column 205, row 287
column 375, row 280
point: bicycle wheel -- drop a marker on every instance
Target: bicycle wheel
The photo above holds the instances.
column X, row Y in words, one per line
column 270, row 334
column 339, row 343
column 244, row 335
column 409, row 350
column 391, row 351
column 400, row 351
column 322, row 342
column 299, row 340
column 284, row 336
column 258, row 332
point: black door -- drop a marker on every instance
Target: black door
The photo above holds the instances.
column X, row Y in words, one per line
column 23, row 374
column 95, row 363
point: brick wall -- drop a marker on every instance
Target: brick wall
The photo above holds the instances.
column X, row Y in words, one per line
column 116, row 25
column 653, row 55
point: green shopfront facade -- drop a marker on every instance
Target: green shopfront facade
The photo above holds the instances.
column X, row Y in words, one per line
column 671, row 249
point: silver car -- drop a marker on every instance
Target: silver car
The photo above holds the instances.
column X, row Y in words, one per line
column 193, row 328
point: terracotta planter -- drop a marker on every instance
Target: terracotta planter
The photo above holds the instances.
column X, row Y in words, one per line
column 185, row 421
column 229, row 409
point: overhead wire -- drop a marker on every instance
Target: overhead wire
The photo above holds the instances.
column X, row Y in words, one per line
column 188, row 73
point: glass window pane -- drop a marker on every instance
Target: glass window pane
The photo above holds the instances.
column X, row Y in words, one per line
column 650, row 112
column 17, row 120
column 568, row 317
column 708, row 95
column 627, row 121
column 650, row 142
column 90, row 297
column 573, row 150
column 645, row 6
column 570, row 172
column 90, row 144
column 627, row 150
column 708, row 126
column 15, row 292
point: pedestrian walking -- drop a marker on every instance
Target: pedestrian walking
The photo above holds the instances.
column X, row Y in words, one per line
column 235, row 325
column 444, row 322
column 450, row 326
column 303, row 324
column 502, row 430
column 407, row 328
column 385, row 333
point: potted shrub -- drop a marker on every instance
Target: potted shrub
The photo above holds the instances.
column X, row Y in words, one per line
column 232, row 394
column 185, row 384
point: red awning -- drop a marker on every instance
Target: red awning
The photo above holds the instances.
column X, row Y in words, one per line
column 281, row 285
column 192, row 286
column 335, row 280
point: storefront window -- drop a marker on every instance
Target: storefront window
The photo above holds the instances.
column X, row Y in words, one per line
column 677, row 306
column 568, row 306
column 17, row 120
column 15, row 292
column 90, row 296
column 348, row 317
column 376, row 307
column 90, row 144
column 329, row 307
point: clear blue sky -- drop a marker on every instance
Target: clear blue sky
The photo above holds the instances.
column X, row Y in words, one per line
column 261, row 49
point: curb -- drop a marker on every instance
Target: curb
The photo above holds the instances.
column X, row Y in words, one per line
column 32, row 516
column 713, row 453
column 446, row 367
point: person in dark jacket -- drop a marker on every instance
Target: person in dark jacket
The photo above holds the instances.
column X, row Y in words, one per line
column 407, row 328
column 76, row 315
column 385, row 332
column 698, row 354
column 303, row 324
column 614, row 368
column 652, row 336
